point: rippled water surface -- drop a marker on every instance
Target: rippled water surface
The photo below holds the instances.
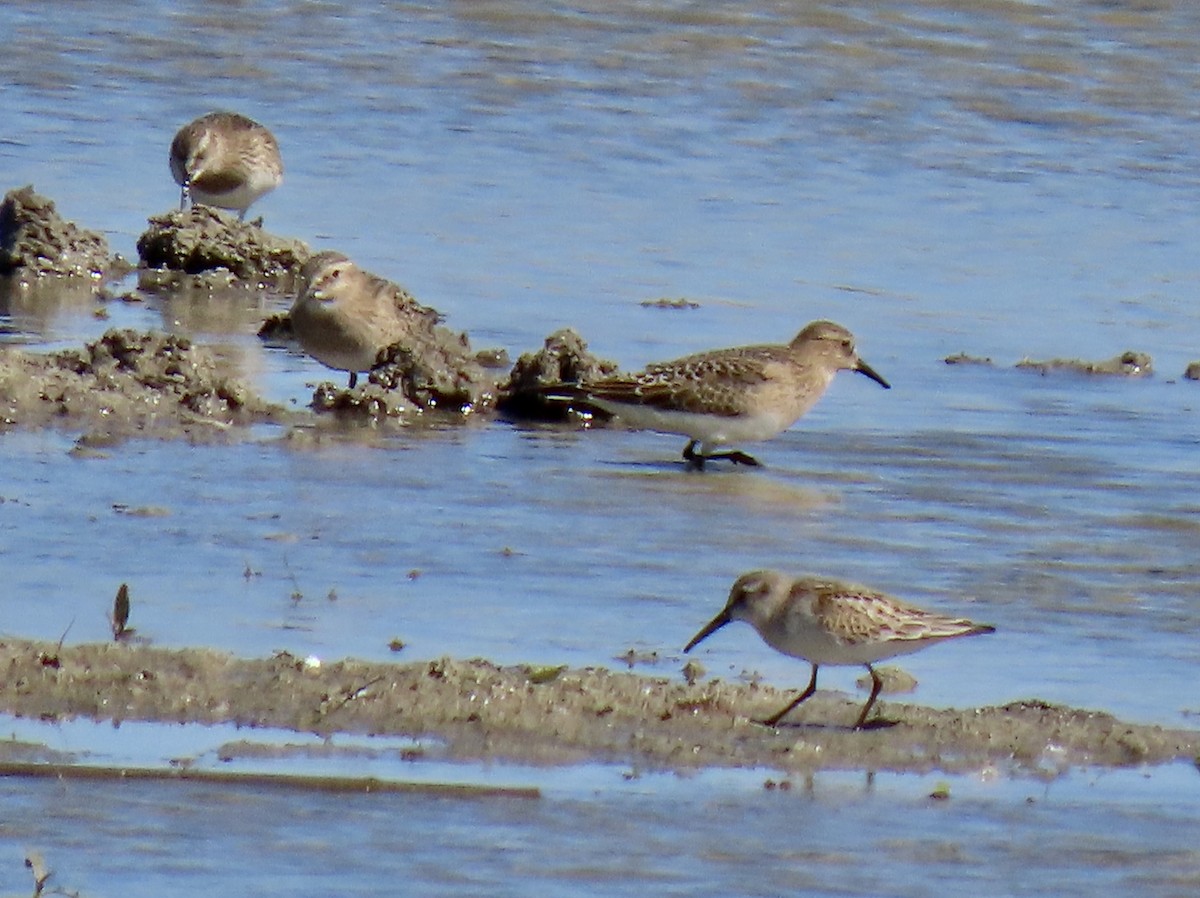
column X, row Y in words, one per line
column 1007, row 179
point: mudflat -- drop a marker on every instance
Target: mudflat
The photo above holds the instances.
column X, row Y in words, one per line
column 475, row 710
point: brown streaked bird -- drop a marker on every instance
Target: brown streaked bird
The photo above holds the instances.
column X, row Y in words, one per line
column 826, row 621
column 743, row 394
column 345, row 317
column 224, row 159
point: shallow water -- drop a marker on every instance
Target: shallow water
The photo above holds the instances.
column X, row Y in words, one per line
column 1006, row 179
column 608, row 834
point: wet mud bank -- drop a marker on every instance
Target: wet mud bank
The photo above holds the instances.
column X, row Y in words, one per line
column 189, row 252
column 476, row 711
column 128, row 383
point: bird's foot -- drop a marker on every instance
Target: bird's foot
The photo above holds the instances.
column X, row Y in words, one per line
column 739, row 458
column 696, row 460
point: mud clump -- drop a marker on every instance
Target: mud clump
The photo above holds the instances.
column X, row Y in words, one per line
column 204, row 239
column 442, row 373
column 36, row 242
column 126, row 383
column 962, row 358
column 1127, row 364
column 436, row 374
column 563, row 359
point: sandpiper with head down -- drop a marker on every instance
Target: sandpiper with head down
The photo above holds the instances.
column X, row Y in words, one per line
column 743, row 394
column 826, row 621
column 345, row 317
column 225, row 159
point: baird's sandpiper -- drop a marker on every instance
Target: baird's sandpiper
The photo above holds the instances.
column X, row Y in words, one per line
column 743, row 394
column 826, row 621
column 225, row 159
column 345, row 317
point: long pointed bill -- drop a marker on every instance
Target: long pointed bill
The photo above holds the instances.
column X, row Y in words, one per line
column 863, row 368
column 709, row 629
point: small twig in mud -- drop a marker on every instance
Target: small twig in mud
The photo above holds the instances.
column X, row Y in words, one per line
column 53, row 660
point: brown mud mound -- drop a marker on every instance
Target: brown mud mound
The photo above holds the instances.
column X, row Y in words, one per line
column 1127, row 364
column 961, row 358
column 480, row 712
column 126, row 383
column 425, row 376
column 204, row 239
column 563, row 358
column 36, row 242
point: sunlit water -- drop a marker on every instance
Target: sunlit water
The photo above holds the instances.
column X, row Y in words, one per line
column 1006, row 179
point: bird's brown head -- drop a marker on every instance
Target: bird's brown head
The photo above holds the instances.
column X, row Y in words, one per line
column 831, row 341
column 321, row 274
column 748, row 598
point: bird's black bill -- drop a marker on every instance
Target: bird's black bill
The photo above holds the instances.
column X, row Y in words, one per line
column 864, row 368
column 709, row 629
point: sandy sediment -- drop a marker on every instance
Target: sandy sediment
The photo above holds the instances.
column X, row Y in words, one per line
column 477, row 711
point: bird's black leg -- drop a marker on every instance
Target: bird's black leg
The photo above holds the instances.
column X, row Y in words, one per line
column 692, row 457
column 353, row 380
column 876, row 685
column 812, row 687
column 696, row 460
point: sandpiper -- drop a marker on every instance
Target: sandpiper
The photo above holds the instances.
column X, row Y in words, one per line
column 345, row 317
column 746, row 393
column 225, row 159
column 827, row 621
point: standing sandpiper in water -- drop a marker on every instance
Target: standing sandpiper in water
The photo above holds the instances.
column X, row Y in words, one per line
column 829, row 622
column 345, row 317
column 225, row 159
column 747, row 393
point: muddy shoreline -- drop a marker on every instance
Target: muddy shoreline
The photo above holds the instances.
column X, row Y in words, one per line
column 476, row 711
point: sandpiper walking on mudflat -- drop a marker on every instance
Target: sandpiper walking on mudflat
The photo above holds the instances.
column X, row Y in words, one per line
column 827, row 621
column 345, row 317
column 746, row 393
column 225, row 159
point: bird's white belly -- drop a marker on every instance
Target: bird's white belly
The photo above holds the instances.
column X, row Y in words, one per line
column 240, row 197
column 818, row 647
column 708, row 429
